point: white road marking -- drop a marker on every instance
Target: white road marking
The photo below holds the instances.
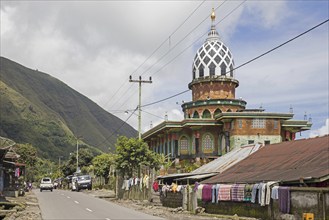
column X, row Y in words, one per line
column 76, row 202
column 89, row 210
column 107, row 219
column 68, row 197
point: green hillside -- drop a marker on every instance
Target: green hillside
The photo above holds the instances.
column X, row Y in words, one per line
column 36, row 108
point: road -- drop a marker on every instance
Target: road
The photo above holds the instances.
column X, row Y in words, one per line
column 63, row 204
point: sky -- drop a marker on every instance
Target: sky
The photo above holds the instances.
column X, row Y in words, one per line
column 94, row 46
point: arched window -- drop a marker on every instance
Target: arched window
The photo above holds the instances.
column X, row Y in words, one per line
column 201, row 71
column 212, row 68
column 207, row 143
column 206, row 114
column 223, row 69
column 229, row 110
column 196, row 115
column 218, row 111
column 193, row 72
column 183, row 145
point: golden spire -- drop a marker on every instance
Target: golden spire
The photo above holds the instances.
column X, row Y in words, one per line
column 213, row 16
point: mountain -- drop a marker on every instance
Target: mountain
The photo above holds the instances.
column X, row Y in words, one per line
column 39, row 109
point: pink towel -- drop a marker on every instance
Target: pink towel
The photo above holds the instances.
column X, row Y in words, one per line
column 224, row 193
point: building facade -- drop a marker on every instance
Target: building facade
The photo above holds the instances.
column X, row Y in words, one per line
column 215, row 121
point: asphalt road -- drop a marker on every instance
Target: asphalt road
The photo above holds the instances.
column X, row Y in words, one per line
column 63, row 204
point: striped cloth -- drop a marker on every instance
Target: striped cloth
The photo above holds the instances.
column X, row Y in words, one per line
column 224, row 193
column 238, row 192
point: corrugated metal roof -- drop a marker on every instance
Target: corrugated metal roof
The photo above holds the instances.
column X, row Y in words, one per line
column 226, row 161
column 197, row 177
column 286, row 162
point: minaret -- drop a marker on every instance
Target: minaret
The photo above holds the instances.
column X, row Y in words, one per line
column 213, row 84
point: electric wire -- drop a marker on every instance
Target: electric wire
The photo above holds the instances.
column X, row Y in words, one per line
column 190, row 15
column 243, row 64
column 247, row 62
column 207, row 17
column 116, row 130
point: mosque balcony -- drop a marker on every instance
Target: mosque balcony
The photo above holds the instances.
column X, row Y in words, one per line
column 218, row 102
column 214, row 79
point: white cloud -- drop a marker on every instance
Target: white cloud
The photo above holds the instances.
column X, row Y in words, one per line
column 324, row 130
column 94, row 46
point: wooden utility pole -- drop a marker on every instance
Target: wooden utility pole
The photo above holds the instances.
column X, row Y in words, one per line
column 140, row 81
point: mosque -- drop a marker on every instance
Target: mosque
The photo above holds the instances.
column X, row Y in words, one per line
column 215, row 121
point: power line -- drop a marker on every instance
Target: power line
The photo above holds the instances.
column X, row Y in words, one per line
column 183, row 49
column 116, row 130
column 256, row 58
column 154, row 53
column 263, row 54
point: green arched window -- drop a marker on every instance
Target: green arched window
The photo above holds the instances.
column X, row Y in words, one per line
column 206, row 114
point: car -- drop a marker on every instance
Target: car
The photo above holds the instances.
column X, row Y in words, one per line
column 83, row 182
column 46, row 184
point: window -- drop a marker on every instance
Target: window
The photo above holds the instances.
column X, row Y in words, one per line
column 232, row 124
column 206, row 114
column 212, row 68
column 267, row 142
column 251, row 141
column 218, row 111
column 208, row 144
column 258, row 123
column 183, row 144
column 201, row 72
column 223, row 69
column 275, row 126
column 196, row 115
column 240, row 123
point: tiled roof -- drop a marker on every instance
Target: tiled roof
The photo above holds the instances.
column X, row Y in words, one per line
column 285, row 162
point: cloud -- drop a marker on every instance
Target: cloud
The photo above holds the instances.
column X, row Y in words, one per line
column 324, row 130
column 94, row 46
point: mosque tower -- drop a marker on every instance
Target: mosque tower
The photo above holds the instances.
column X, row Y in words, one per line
column 213, row 84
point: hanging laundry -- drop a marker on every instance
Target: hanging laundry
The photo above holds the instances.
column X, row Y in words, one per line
column 224, row 193
column 268, row 192
column 206, row 193
column 261, row 194
column 213, row 193
column 238, row 192
column 216, row 192
column 275, row 192
column 155, row 186
column 254, row 193
column 199, row 191
column 284, row 199
column 247, row 192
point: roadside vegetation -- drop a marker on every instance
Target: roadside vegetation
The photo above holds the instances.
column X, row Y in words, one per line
column 131, row 154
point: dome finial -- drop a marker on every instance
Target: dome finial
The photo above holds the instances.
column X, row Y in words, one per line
column 213, row 15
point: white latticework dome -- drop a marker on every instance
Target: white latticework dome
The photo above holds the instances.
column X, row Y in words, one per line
column 213, row 58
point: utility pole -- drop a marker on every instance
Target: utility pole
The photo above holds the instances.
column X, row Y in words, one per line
column 140, row 81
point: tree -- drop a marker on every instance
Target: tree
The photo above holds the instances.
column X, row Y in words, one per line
column 102, row 164
column 132, row 154
column 28, row 154
column 85, row 158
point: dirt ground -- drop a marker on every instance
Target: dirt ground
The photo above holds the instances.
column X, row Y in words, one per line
column 28, row 209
